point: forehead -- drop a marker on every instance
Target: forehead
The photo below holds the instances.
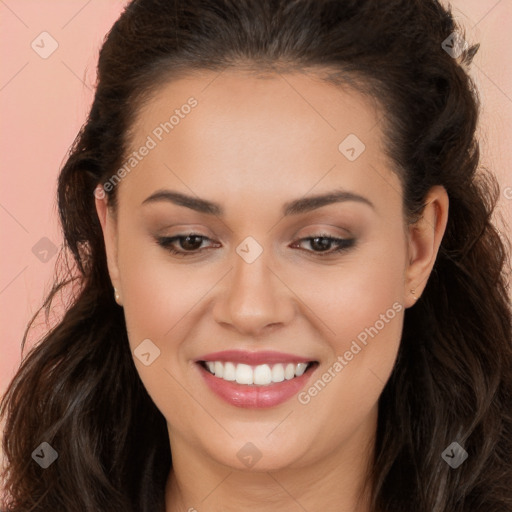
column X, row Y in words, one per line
column 280, row 131
column 300, row 102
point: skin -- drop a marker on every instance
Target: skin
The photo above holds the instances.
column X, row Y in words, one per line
column 252, row 145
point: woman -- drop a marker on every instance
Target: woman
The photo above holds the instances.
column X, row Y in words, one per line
column 287, row 275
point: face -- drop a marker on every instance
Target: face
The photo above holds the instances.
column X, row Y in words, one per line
column 225, row 262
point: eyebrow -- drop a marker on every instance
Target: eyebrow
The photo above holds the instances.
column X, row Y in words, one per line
column 295, row 207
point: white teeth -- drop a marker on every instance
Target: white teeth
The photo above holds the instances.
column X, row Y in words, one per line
column 229, row 372
column 244, row 373
column 278, row 373
column 219, row 369
column 289, row 371
column 301, row 368
column 260, row 375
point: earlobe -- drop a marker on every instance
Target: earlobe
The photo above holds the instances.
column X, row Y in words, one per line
column 109, row 228
column 425, row 237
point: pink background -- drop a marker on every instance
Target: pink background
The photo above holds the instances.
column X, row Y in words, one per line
column 44, row 102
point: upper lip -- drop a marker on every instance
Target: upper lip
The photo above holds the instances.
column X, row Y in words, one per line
column 253, row 358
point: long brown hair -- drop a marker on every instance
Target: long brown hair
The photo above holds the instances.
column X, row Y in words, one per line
column 78, row 389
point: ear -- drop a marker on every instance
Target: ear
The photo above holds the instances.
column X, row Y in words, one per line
column 109, row 226
column 424, row 240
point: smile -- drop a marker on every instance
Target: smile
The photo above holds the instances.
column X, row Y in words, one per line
column 257, row 380
column 260, row 375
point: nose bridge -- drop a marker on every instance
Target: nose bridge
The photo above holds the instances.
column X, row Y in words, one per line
column 251, row 269
column 254, row 297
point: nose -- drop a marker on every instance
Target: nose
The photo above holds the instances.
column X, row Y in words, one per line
column 254, row 298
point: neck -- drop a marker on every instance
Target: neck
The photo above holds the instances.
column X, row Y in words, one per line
column 336, row 482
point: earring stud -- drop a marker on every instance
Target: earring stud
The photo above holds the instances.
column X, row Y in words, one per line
column 117, row 296
column 413, row 293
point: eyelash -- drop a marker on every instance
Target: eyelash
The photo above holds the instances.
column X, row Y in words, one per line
column 342, row 243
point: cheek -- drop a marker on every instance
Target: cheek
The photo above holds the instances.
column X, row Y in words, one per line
column 360, row 305
column 158, row 294
column 158, row 301
column 352, row 296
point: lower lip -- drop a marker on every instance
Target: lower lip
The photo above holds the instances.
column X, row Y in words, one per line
column 255, row 397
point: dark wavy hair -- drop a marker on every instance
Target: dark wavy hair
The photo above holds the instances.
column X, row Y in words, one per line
column 78, row 388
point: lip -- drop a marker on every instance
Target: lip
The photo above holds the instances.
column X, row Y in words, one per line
column 253, row 358
column 252, row 396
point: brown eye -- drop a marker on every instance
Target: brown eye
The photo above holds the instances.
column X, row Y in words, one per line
column 321, row 243
column 183, row 245
column 324, row 243
column 191, row 242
